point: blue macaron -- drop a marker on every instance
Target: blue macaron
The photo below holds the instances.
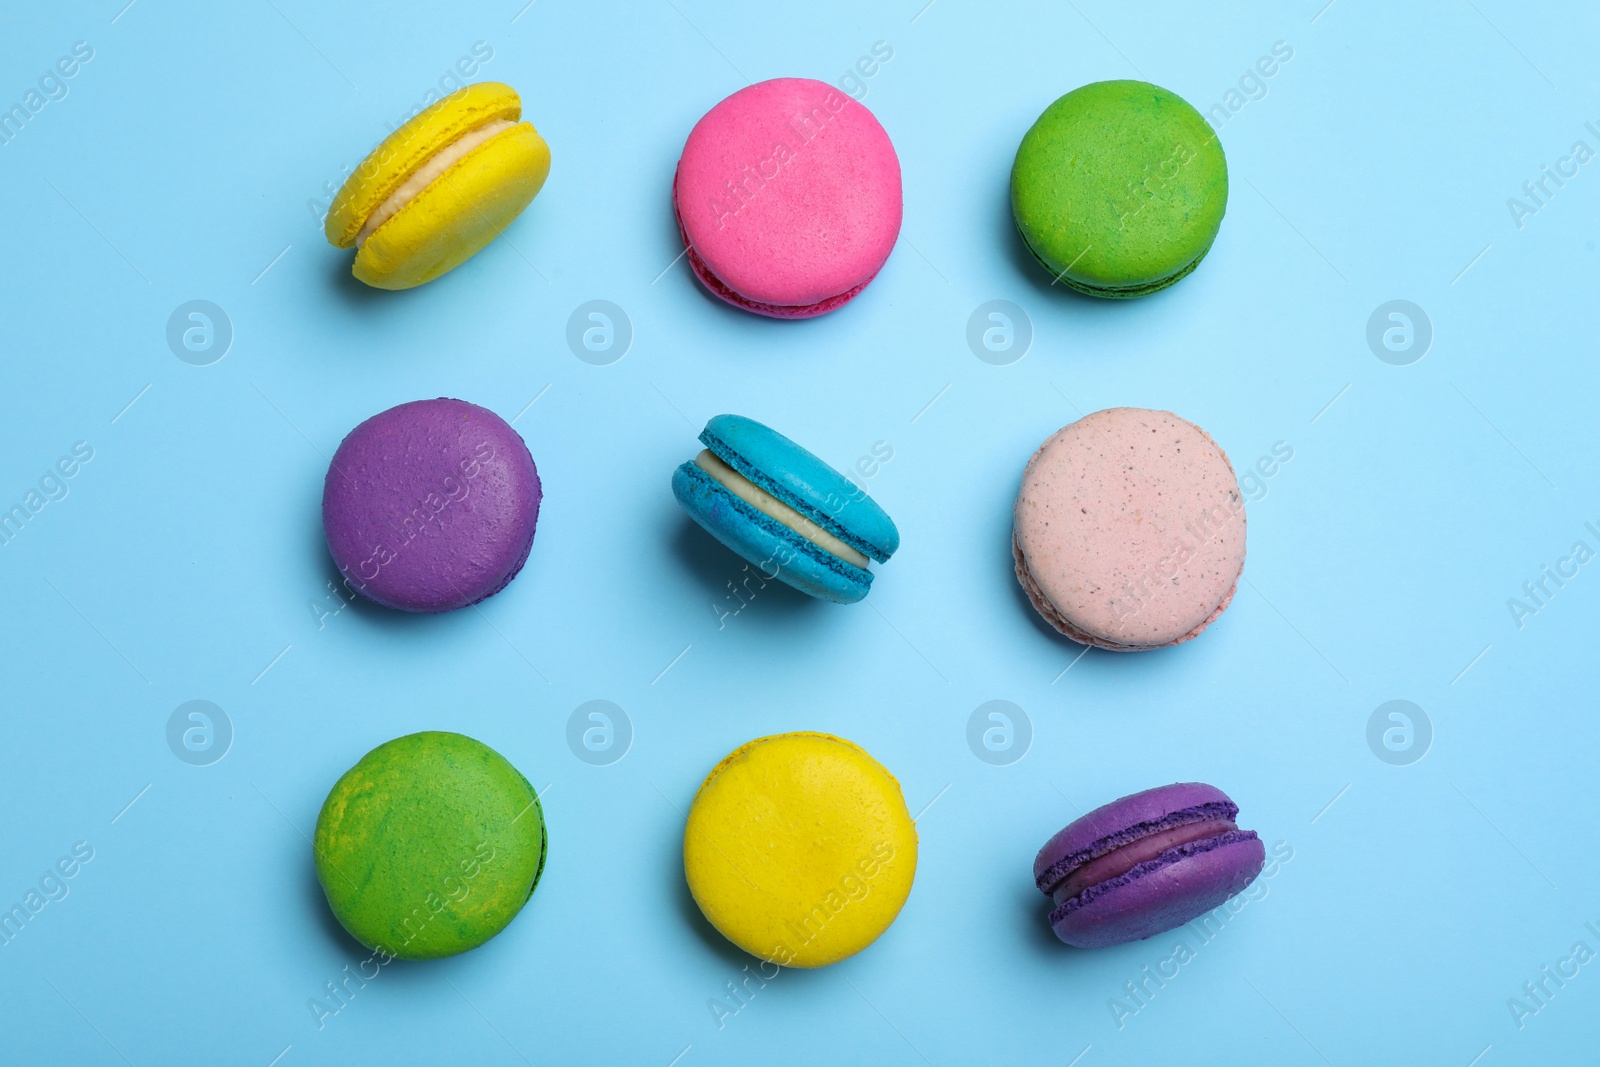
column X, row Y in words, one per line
column 785, row 510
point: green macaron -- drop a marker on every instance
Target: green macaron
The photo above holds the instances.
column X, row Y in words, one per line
column 429, row 846
column 1119, row 188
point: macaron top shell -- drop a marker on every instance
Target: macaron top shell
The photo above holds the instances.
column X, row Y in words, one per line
column 804, row 482
column 458, row 213
column 431, row 505
column 1129, row 529
column 1119, row 188
column 429, row 846
column 799, row 849
column 1113, row 825
column 408, row 148
column 788, row 193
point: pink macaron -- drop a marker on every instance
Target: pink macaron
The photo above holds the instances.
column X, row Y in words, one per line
column 1129, row 530
column 788, row 198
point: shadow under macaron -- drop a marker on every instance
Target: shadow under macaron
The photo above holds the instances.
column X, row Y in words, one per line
column 726, row 951
column 1033, row 915
column 316, row 902
column 353, row 293
column 715, row 567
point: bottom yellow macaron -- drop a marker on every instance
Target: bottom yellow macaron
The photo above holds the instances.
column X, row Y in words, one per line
column 799, row 849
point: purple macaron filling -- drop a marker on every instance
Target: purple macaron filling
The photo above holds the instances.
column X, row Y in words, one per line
column 1146, row 863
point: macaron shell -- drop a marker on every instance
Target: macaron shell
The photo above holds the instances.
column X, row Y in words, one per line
column 431, row 505
column 459, row 213
column 429, row 846
column 771, row 311
column 1129, row 530
column 803, row 481
column 1119, row 188
column 1163, row 899
column 776, row 551
column 400, row 154
column 1111, row 822
column 789, row 193
column 799, row 849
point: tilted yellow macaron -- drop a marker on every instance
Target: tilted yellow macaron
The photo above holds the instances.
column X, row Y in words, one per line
column 799, row 849
column 439, row 188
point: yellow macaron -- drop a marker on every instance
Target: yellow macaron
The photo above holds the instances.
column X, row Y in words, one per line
column 799, row 849
column 439, row 188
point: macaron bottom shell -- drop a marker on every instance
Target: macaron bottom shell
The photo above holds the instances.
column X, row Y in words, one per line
column 720, row 289
column 775, row 549
column 1114, row 292
column 1162, row 894
column 458, row 214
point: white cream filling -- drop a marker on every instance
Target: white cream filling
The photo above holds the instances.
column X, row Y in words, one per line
column 425, row 175
column 774, row 509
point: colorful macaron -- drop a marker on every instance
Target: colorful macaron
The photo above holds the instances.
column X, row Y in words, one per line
column 1146, row 863
column 788, row 198
column 429, row 846
column 1129, row 530
column 1119, row 188
column 431, row 505
column 784, row 510
column 799, row 849
column 439, row 188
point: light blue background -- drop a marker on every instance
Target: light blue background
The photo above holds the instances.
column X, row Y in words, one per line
column 187, row 556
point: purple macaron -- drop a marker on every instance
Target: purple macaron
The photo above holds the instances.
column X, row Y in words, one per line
column 1146, row 863
column 431, row 505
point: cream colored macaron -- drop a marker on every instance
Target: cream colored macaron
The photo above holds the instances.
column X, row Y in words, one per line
column 439, row 188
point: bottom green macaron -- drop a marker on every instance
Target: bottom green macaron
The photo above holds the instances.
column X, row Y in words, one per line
column 429, row 846
column 1119, row 189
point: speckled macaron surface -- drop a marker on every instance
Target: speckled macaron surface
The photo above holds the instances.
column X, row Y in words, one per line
column 429, row 846
column 1129, row 530
column 788, row 198
column 431, row 505
column 799, row 848
column 1119, row 188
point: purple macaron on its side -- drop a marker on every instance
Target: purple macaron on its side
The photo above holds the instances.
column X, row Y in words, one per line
column 431, row 505
column 1144, row 864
